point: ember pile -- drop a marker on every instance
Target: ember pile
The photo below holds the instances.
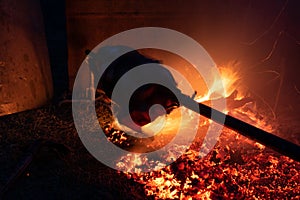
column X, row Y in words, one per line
column 237, row 168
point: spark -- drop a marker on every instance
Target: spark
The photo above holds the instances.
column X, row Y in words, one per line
column 293, row 38
column 273, row 47
column 273, row 72
column 270, row 27
column 297, row 90
column 279, row 89
column 264, row 101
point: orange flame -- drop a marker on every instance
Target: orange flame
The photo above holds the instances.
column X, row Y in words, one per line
column 165, row 184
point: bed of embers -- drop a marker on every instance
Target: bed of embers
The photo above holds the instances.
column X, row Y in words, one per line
column 237, row 167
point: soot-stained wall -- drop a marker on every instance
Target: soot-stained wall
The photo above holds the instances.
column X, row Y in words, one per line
column 25, row 76
column 262, row 36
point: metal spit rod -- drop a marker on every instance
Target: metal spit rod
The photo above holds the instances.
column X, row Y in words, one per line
column 270, row 140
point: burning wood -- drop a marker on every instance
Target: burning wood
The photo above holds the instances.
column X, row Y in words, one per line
column 283, row 146
column 236, row 168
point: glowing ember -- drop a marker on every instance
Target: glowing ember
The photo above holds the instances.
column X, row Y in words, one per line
column 236, row 168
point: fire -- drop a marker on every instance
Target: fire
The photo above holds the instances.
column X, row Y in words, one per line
column 229, row 82
column 225, row 170
column 230, row 79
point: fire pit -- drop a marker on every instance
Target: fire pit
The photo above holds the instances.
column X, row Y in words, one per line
column 256, row 49
column 236, row 168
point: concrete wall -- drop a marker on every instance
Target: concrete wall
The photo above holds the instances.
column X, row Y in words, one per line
column 223, row 28
column 54, row 15
column 25, row 76
column 90, row 22
column 262, row 36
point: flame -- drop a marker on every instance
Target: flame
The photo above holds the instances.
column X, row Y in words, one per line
column 169, row 126
column 230, row 79
column 225, row 82
column 187, row 177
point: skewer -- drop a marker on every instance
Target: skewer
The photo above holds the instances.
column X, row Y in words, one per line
column 263, row 137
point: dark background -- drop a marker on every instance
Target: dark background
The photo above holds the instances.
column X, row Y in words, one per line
column 262, row 36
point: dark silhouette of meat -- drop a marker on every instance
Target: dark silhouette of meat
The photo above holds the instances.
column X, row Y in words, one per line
column 146, row 95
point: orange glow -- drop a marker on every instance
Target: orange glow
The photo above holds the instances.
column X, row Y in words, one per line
column 184, row 180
